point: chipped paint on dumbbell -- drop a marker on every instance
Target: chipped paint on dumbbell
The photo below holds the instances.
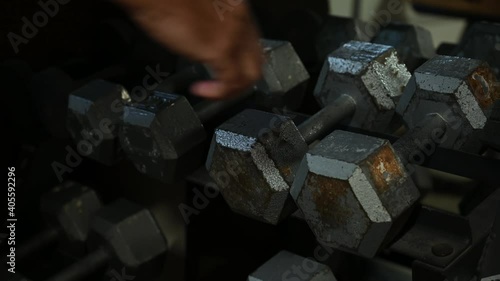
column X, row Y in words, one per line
column 267, row 148
column 288, row 266
column 462, row 90
column 371, row 74
column 413, row 43
column 351, row 189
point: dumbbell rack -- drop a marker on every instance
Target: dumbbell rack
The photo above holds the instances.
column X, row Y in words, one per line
column 433, row 244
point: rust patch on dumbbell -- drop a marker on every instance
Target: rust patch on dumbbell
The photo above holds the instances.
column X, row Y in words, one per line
column 327, row 197
column 384, row 168
column 484, row 86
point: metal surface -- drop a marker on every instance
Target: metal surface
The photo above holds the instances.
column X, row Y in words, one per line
column 461, row 90
column 253, row 158
column 413, row 146
column 413, row 43
column 284, row 77
column 322, row 122
column 162, row 136
column 94, row 116
column 466, row 236
column 371, row 74
column 352, row 189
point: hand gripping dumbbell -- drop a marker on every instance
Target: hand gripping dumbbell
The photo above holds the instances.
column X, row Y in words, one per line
column 355, row 190
column 288, row 266
column 124, row 237
column 266, row 149
column 164, row 134
column 68, row 209
column 413, row 43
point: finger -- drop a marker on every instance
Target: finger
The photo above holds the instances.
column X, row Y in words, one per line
column 208, row 89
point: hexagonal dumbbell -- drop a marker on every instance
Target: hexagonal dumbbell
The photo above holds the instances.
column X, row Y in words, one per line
column 164, row 134
column 336, row 31
column 266, row 148
column 413, row 43
column 288, row 266
column 371, row 74
column 68, row 209
column 461, row 90
column 351, row 189
column 95, row 113
column 359, row 201
column 327, row 33
column 284, row 77
column 51, row 87
column 481, row 41
column 125, row 238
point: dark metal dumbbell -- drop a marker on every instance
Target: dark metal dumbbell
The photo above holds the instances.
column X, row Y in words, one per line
column 461, row 90
column 124, row 237
column 95, row 112
column 266, row 149
column 164, row 134
column 481, row 41
column 68, row 209
column 413, row 43
column 358, row 203
column 51, row 87
column 315, row 36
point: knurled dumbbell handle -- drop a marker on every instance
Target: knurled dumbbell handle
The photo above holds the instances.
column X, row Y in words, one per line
column 430, row 128
column 84, row 267
column 38, row 242
column 321, row 123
